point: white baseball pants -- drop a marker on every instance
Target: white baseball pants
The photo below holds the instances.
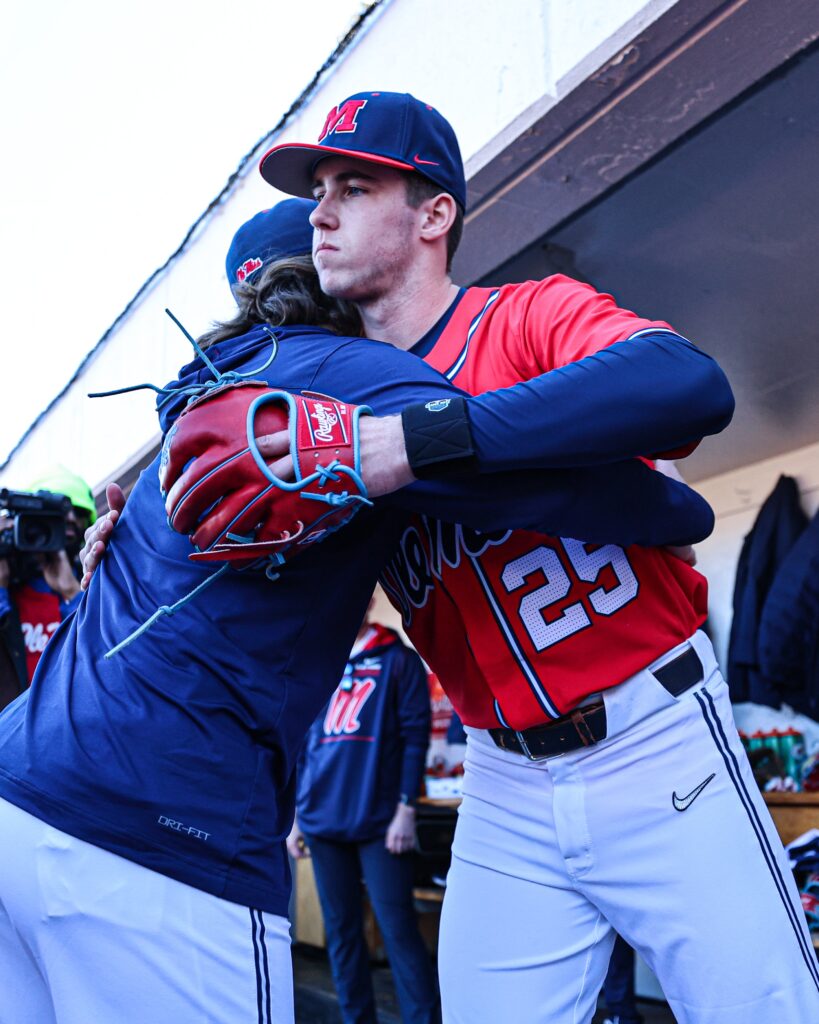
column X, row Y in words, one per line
column 86, row 936
column 660, row 832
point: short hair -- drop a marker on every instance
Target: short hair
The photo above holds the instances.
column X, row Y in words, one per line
column 419, row 189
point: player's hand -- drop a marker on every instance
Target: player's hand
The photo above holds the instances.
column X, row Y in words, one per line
column 98, row 535
column 275, row 450
column 384, row 465
column 401, row 832
column 296, row 846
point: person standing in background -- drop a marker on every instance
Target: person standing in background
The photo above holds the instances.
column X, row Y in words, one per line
column 39, row 591
column 359, row 776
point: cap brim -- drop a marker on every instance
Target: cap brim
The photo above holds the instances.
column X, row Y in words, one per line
column 289, row 167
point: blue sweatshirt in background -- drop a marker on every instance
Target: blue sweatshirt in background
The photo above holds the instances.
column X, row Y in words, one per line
column 368, row 746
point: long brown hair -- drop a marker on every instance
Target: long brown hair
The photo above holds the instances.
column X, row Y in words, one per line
column 286, row 292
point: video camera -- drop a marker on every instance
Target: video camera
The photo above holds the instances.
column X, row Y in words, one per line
column 38, row 521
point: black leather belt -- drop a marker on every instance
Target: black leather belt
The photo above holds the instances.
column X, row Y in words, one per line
column 583, row 727
column 586, row 725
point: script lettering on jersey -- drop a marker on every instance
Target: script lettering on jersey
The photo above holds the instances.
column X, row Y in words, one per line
column 345, row 706
column 342, row 119
column 37, row 636
column 421, row 555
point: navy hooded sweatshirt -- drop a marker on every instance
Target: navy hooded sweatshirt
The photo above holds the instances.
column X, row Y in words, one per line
column 178, row 753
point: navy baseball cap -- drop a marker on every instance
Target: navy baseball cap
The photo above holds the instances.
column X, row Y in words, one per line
column 285, row 230
column 389, row 128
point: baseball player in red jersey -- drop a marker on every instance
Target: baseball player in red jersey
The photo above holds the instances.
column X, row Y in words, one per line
column 605, row 785
column 533, row 645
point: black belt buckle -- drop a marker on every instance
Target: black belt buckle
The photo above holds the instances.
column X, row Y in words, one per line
column 524, row 748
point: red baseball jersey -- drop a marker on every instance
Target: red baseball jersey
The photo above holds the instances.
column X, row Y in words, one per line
column 39, row 612
column 519, row 626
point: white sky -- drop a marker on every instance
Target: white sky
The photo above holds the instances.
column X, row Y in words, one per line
column 119, row 123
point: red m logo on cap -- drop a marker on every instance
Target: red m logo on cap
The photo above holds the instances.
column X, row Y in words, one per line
column 342, row 119
column 247, row 268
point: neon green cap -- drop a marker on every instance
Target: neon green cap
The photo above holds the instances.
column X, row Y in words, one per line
column 62, row 481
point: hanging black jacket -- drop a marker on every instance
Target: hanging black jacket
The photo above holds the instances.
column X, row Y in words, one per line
column 789, row 628
column 778, row 525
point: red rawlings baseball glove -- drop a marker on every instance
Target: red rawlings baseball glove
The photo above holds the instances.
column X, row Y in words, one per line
column 219, row 490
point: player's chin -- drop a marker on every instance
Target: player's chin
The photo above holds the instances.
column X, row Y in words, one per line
column 339, row 283
column 334, row 284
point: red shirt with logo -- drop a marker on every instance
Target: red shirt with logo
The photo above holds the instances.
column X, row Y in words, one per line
column 39, row 612
column 519, row 626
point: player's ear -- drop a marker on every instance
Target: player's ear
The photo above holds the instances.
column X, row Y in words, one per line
column 437, row 216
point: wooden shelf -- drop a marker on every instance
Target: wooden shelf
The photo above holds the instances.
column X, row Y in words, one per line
column 793, row 813
column 431, row 895
column 449, row 801
column 792, row 799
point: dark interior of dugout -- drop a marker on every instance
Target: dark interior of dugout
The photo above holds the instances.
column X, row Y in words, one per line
column 719, row 235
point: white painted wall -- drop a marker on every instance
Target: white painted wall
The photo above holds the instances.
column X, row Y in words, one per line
column 492, row 68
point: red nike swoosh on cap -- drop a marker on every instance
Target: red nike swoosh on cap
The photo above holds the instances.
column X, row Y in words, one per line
column 432, row 163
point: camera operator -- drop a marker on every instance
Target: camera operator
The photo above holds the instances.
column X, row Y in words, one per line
column 39, row 589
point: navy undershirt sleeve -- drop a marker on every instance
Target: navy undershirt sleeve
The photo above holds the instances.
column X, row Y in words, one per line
column 624, row 503
column 647, row 395
column 618, row 503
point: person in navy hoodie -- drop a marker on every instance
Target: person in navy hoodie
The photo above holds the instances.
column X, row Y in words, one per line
column 146, row 795
column 359, row 776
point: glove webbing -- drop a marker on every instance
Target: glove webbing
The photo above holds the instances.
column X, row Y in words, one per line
column 194, row 391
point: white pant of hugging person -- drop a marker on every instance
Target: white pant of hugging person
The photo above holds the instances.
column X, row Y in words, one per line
column 87, row 937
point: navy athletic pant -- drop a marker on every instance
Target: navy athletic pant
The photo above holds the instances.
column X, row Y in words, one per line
column 339, row 868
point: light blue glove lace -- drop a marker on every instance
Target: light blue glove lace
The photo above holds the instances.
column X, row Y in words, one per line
column 269, row 562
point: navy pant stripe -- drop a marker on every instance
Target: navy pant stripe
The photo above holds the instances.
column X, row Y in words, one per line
column 257, row 960
column 265, row 965
column 714, row 724
column 794, row 912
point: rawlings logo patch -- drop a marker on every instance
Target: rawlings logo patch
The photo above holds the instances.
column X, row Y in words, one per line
column 326, row 424
column 247, row 268
column 342, row 119
column 326, row 421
